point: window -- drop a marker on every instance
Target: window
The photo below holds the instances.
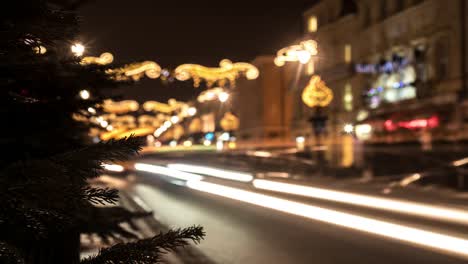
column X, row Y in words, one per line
column 348, row 98
column 347, row 53
column 312, row 24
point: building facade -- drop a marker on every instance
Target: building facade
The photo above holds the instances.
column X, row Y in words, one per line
column 397, row 69
column 264, row 106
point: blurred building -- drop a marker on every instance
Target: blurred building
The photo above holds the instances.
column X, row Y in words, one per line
column 264, row 106
column 397, row 69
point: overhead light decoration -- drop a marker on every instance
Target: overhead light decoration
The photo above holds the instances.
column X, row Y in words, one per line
column 171, row 106
column 217, row 93
column 84, row 94
column 120, row 107
column 136, row 71
column 226, row 72
column 77, row 49
column 301, row 52
column 103, row 59
column 316, row 93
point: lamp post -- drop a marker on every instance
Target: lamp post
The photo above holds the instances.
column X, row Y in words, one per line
column 317, row 96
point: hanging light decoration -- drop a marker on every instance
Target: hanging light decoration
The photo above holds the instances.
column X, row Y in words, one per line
column 301, row 52
column 103, row 59
column 316, row 93
column 136, row 71
column 226, row 72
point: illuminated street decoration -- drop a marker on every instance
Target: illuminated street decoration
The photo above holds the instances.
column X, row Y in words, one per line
column 136, row 71
column 103, row 59
column 77, row 49
column 229, row 122
column 125, row 106
column 316, row 93
column 213, row 94
column 226, row 72
column 171, row 106
column 301, row 52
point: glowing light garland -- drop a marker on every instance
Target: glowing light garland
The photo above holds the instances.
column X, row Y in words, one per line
column 316, row 93
column 301, row 52
column 136, row 71
column 227, row 72
column 103, row 59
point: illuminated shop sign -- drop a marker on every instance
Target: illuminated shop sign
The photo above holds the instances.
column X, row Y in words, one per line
column 430, row 122
column 392, row 87
column 383, row 67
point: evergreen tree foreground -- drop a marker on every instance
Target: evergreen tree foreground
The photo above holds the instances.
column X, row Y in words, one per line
column 45, row 199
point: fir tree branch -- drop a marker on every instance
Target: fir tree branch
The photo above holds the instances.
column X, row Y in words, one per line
column 101, row 195
column 87, row 162
column 9, row 254
column 147, row 251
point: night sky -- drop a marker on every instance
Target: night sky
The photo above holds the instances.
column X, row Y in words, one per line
column 173, row 33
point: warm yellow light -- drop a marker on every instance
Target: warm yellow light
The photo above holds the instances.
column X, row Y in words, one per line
column 174, row 119
column 232, row 145
column 84, row 94
column 347, row 53
column 229, row 122
column 348, row 128
column 214, row 172
column 40, row 50
column 167, row 124
column 103, row 59
column 312, row 24
column 192, row 111
column 136, row 71
column 317, row 93
column 223, row 97
column 301, row 52
column 227, row 72
column 78, row 49
column 173, row 143
column 437, row 241
column 206, row 142
column 91, row 110
column 187, row 143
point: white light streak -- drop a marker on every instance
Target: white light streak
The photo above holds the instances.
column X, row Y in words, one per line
column 167, row 172
column 420, row 237
column 435, row 212
column 113, row 167
column 219, row 173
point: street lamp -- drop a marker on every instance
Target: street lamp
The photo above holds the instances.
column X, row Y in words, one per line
column 84, row 94
column 174, row 119
column 223, row 97
column 192, row 111
column 317, row 95
column 78, row 49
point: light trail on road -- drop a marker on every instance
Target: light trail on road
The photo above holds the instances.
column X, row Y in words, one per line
column 434, row 212
column 420, row 237
column 167, row 172
column 210, row 171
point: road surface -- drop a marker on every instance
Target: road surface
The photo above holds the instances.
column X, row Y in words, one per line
column 239, row 232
